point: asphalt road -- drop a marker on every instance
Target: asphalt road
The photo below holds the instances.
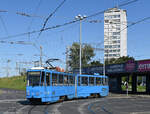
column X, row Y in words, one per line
column 14, row 102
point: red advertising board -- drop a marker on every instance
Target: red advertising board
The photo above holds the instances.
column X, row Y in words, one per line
column 143, row 66
column 130, row 66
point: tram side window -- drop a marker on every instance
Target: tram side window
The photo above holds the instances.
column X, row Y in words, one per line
column 54, row 79
column 48, row 79
column 42, row 79
column 71, row 80
column 84, row 81
column 66, row 81
column 79, row 81
column 60, row 79
column 98, row 81
column 91, row 81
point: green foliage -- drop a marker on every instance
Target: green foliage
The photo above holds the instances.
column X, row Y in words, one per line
column 95, row 63
column 141, row 88
column 87, row 55
column 124, row 78
column 15, row 82
column 122, row 59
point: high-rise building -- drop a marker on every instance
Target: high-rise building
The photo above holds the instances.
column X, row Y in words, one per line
column 115, row 33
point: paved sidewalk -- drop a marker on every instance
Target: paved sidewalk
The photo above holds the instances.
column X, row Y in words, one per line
column 125, row 95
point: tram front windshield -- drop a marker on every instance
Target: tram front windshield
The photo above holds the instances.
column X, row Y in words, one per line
column 33, row 78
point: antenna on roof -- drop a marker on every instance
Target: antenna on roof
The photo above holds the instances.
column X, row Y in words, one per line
column 117, row 3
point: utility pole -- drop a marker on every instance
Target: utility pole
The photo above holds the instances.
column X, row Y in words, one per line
column 80, row 18
column 8, row 61
column 67, row 57
column 41, row 56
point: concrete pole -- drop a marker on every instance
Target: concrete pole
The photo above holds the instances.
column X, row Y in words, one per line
column 41, row 56
column 80, row 46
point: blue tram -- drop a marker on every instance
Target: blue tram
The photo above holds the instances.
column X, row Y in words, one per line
column 47, row 85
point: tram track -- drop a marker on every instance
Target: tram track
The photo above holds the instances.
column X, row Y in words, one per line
column 102, row 107
column 46, row 109
column 31, row 108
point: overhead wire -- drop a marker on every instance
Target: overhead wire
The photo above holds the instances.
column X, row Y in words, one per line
column 65, row 24
column 45, row 22
column 4, row 26
column 134, row 23
column 29, row 28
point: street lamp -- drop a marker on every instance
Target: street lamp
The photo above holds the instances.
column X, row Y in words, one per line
column 79, row 17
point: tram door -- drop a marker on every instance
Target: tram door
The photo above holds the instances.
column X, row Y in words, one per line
column 47, row 84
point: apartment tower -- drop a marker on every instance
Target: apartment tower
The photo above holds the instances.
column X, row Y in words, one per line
column 115, row 33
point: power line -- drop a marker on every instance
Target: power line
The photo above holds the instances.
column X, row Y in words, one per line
column 28, row 15
column 61, row 25
column 29, row 28
column 3, row 23
column 134, row 23
column 36, row 10
column 3, row 11
column 57, row 26
column 18, row 42
column 45, row 22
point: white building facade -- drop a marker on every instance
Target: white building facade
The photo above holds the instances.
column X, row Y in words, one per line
column 115, row 33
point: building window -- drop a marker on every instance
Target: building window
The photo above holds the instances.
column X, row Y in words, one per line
column 114, row 55
column 114, row 50
column 106, row 21
column 116, row 20
column 118, row 55
column 106, row 55
column 106, row 51
column 118, row 50
column 110, row 50
column 110, row 55
column 116, row 33
column 116, row 16
column 117, row 28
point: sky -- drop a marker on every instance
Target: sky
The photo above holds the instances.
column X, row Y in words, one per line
column 55, row 41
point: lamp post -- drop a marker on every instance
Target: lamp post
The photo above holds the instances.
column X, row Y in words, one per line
column 41, row 54
column 79, row 17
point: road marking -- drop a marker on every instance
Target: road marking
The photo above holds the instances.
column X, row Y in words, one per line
column 12, row 100
column 140, row 112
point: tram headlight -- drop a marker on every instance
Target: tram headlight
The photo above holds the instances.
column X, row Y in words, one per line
column 103, row 89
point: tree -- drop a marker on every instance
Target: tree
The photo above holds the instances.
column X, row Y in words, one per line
column 122, row 59
column 95, row 63
column 87, row 55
